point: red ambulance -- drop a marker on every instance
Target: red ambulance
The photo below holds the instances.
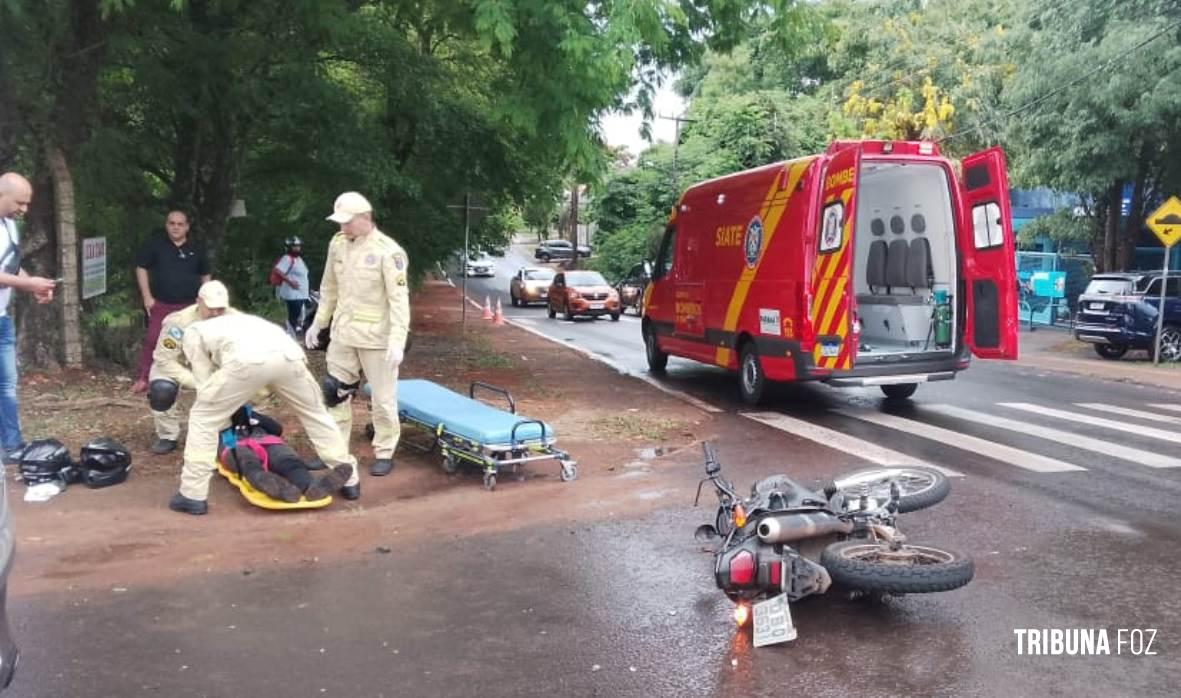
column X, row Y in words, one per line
column 875, row 263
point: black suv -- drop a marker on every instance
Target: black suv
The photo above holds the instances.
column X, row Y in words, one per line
column 559, row 249
column 1118, row 312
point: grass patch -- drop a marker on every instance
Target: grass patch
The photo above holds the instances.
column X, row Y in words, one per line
column 478, row 353
column 635, row 426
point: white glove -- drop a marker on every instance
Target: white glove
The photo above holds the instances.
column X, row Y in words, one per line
column 393, row 356
column 311, row 338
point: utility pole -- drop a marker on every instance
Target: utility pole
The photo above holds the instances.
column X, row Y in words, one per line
column 677, row 143
column 467, row 217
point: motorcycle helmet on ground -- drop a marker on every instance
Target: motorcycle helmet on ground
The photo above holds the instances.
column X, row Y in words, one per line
column 45, row 460
column 104, row 462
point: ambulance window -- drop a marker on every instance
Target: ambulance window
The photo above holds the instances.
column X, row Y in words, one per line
column 976, row 177
column 664, row 260
column 986, row 225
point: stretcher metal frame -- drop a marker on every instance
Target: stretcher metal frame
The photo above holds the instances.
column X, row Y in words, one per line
column 492, row 457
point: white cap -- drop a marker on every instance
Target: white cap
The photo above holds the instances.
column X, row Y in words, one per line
column 214, row 295
column 348, row 205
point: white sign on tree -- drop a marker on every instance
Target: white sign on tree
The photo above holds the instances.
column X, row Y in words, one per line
column 94, row 267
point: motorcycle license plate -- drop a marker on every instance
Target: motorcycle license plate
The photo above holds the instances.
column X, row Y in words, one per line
column 597, row 306
column 772, row 622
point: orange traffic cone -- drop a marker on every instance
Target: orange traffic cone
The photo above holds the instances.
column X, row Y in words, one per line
column 487, row 308
column 499, row 319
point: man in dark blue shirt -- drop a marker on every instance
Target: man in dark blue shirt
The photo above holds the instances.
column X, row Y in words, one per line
column 169, row 271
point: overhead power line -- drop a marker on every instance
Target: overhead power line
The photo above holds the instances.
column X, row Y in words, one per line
column 1100, row 68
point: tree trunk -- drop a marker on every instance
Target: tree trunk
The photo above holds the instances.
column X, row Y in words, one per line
column 65, row 214
column 574, row 225
column 1131, row 233
column 1111, row 227
column 39, row 329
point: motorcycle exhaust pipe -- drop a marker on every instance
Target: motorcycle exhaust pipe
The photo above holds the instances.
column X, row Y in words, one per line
column 794, row 527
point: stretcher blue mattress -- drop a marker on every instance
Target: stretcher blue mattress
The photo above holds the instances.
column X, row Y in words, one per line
column 430, row 403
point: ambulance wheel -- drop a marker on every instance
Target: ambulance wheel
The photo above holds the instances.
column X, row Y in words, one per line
column 450, row 464
column 489, row 481
column 657, row 360
column 899, row 391
column 752, row 381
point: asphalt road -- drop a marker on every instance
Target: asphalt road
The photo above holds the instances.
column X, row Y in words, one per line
column 1068, row 508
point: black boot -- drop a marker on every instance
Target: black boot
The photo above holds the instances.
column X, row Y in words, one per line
column 381, row 466
column 184, row 505
column 351, row 491
column 273, row 486
column 326, row 484
column 163, row 446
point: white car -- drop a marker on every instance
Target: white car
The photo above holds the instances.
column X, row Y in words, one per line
column 480, row 265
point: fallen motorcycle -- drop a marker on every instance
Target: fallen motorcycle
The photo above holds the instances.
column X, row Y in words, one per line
column 786, row 542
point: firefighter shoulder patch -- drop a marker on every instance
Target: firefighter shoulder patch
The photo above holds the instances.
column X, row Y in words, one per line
column 402, row 279
column 176, row 332
column 169, row 343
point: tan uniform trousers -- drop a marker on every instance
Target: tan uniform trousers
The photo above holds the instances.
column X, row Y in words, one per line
column 346, row 363
column 236, row 383
column 167, row 422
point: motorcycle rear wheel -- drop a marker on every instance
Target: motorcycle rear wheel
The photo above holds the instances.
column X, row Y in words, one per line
column 873, row 566
column 919, row 488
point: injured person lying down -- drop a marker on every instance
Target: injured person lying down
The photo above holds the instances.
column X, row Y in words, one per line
column 253, row 446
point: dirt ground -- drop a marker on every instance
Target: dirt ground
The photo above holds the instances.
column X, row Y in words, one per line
column 113, row 538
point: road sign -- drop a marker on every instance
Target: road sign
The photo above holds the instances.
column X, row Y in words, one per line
column 1166, row 221
column 94, row 267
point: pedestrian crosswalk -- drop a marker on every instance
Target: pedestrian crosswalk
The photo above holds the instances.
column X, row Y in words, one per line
column 1043, row 439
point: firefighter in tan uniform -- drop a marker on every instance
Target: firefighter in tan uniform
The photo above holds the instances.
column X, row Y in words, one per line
column 363, row 293
column 232, row 358
column 169, row 372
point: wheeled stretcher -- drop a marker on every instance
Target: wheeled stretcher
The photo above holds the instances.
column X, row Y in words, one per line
column 466, row 430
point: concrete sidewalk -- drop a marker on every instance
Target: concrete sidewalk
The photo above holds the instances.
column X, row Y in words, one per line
column 1056, row 349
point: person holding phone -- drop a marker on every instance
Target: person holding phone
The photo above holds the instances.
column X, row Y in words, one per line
column 15, row 194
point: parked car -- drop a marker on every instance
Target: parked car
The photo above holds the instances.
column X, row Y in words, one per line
column 631, row 287
column 1118, row 312
column 8, row 652
column 480, row 264
column 575, row 293
column 559, row 249
column 530, row 285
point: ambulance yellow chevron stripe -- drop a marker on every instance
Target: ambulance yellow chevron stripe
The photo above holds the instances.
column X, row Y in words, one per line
column 830, row 279
column 770, row 212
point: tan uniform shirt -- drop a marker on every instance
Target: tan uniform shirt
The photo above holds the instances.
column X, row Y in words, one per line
column 168, row 357
column 237, row 339
column 364, row 292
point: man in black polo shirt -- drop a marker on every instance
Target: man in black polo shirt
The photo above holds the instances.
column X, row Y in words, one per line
column 169, row 270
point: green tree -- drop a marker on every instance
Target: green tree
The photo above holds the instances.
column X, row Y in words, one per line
column 1097, row 108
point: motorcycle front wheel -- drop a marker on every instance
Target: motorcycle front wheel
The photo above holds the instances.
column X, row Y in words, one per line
column 873, row 566
column 918, row 488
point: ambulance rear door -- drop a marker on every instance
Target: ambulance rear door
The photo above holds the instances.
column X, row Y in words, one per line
column 831, row 286
column 986, row 243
